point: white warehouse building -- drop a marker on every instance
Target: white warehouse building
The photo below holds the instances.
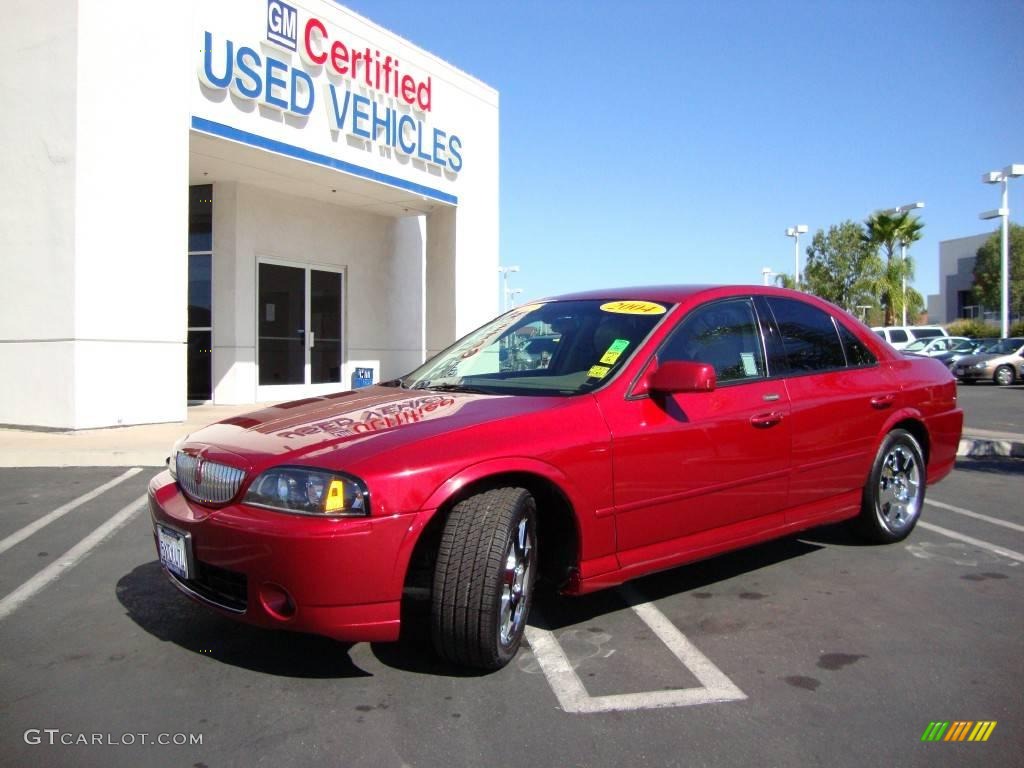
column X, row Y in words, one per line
column 232, row 201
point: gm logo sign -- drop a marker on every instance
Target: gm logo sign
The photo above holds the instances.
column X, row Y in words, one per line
column 282, row 24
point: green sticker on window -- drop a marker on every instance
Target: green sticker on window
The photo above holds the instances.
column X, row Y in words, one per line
column 614, row 351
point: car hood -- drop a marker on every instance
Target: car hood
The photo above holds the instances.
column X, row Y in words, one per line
column 365, row 421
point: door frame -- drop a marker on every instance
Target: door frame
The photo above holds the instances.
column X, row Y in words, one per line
column 268, row 392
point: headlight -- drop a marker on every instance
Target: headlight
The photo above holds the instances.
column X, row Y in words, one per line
column 979, row 366
column 304, row 491
column 172, row 460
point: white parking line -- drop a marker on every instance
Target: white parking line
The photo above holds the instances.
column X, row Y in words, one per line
column 69, row 559
column 971, row 540
column 572, row 694
column 976, row 515
column 20, row 535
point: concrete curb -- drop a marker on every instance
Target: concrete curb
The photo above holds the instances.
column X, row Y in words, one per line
column 975, row 447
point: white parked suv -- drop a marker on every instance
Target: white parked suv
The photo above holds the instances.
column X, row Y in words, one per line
column 901, row 335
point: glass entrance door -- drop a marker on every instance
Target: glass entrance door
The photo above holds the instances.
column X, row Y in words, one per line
column 325, row 325
column 300, row 326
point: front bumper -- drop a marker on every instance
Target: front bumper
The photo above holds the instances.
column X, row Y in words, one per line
column 972, row 374
column 341, row 578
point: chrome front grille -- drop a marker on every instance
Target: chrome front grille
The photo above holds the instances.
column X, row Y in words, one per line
column 206, row 482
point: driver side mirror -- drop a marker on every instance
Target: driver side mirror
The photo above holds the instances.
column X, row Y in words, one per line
column 682, row 376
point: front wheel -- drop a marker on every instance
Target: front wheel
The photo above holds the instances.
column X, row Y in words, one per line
column 1004, row 375
column 484, row 577
column 894, row 491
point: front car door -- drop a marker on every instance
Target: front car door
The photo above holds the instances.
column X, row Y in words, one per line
column 694, row 470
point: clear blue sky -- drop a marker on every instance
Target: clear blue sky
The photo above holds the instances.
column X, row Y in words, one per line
column 673, row 142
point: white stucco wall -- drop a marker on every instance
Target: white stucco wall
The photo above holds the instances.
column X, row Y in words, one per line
column 93, row 217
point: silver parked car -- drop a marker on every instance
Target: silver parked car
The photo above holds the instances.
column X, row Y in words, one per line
column 1000, row 362
column 931, row 347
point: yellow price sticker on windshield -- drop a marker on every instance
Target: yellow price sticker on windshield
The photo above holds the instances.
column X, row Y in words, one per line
column 598, row 372
column 633, row 308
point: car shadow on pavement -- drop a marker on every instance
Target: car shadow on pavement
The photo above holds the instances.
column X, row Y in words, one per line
column 554, row 612
column 414, row 651
column 161, row 610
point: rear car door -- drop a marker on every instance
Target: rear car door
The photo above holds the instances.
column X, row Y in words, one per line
column 699, row 468
column 840, row 399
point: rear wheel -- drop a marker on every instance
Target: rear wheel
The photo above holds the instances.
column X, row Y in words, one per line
column 484, row 577
column 1004, row 375
column 894, row 491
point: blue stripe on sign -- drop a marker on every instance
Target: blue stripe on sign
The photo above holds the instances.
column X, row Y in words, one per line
column 261, row 142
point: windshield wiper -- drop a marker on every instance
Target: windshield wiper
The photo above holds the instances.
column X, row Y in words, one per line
column 455, row 388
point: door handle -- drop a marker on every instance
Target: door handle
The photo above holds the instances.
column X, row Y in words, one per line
column 765, row 420
column 882, row 402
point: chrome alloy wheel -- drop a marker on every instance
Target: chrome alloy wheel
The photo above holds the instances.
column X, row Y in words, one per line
column 899, row 489
column 515, row 578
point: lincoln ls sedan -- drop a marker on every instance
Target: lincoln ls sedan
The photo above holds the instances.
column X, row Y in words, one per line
column 579, row 441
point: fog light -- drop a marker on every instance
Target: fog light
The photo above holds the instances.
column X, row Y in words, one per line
column 277, row 602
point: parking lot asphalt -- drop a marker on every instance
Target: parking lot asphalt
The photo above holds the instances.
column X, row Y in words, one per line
column 813, row 650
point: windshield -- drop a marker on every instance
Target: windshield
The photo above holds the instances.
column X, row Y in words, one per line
column 1005, row 346
column 554, row 348
column 916, row 346
column 964, row 346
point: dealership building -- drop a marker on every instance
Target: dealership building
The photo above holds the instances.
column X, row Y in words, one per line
column 956, row 299
column 235, row 201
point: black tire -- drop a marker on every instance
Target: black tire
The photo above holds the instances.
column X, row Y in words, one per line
column 484, row 577
column 1004, row 375
column 894, row 492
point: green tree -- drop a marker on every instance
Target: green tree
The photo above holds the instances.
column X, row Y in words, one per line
column 886, row 231
column 988, row 271
column 842, row 267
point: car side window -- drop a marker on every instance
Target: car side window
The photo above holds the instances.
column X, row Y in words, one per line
column 897, row 336
column 809, row 336
column 723, row 334
column 856, row 353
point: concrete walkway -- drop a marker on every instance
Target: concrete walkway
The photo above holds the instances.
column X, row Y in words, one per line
column 149, row 445
column 146, row 445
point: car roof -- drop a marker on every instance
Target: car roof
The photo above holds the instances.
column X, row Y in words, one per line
column 674, row 294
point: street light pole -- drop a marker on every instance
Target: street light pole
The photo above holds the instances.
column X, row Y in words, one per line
column 903, row 252
column 504, row 285
column 1003, row 212
column 795, row 233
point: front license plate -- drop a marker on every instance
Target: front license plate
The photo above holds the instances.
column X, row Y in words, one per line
column 173, row 551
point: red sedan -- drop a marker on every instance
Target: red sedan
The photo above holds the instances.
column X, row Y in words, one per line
column 586, row 440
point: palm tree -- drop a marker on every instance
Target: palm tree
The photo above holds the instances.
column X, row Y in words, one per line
column 785, row 281
column 884, row 230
